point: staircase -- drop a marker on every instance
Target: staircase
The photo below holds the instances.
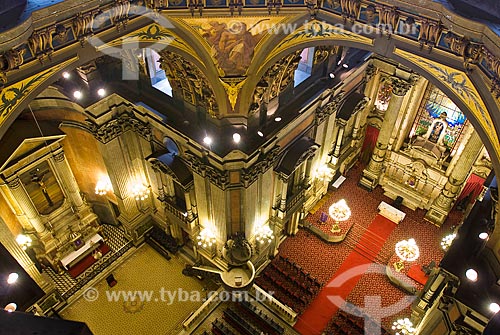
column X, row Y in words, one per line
column 370, row 247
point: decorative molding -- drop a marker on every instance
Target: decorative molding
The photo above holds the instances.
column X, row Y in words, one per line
column 262, row 165
column 12, row 96
column 188, row 81
column 118, row 125
column 59, row 156
column 204, row 169
column 331, row 107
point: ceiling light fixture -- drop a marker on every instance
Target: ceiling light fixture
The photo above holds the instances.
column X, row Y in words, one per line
column 277, row 118
column 471, row 274
column 11, row 307
column 12, row 278
column 483, row 235
column 345, row 66
column 261, row 134
column 236, row 138
column 332, row 75
column 207, row 140
column 66, row 75
column 77, row 94
column 494, row 307
column 101, row 92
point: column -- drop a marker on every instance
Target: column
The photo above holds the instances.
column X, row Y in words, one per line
column 121, row 175
column 9, row 242
column 412, row 108
column 467, row 133
column 371, row 174
column 444, row 201
column 282, row 206
column 68, row 180
column 338, row 141
column 27, row 206
column 307, row 173
column 189, row 210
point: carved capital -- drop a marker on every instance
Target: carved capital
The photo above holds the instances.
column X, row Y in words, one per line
column 204, row 169
column 400, row 86
column 118, row 125
column 15, row 183
column 59, row 157
column 370, row 71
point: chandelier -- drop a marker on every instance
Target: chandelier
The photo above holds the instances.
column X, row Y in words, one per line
column 447, row 240
column 263, row 234
column 324, row 173
column 406, row 250
column 140, row 192
column 206, row 238
column 403, row 327
column 339, row 211
column 24, row 241
column 103, row 186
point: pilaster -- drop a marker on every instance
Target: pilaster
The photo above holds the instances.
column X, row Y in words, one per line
column 442, row 204
column 373, row 171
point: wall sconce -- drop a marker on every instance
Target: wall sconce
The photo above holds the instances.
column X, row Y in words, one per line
column 206, row 238
column 263, row 234
column 24, row 241
column 447, row 240
column 140, row 192
column 103, row 186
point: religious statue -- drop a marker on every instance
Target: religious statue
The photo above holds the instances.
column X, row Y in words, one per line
column 39, row 180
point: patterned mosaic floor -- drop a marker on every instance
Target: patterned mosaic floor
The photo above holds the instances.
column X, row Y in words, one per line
column 144, row 271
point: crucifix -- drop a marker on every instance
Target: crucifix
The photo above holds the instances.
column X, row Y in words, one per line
column 39, row 180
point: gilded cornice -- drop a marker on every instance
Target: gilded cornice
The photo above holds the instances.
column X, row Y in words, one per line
column 14, row 95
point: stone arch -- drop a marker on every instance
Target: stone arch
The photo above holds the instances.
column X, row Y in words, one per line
column 478, row 82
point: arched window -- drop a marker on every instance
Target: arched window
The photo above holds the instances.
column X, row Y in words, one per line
column 158, row 78
column 435, row 106
column 304, row 68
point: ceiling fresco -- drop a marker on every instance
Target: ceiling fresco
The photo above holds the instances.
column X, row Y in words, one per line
column 233, row 42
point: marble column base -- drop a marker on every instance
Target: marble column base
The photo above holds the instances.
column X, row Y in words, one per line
column 369, row 180
column 436, row 216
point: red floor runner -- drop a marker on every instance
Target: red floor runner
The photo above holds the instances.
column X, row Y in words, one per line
column 415, row 272
column 85, row 263
column 321, row 310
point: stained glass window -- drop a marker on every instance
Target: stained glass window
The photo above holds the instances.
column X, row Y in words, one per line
column 433, row 105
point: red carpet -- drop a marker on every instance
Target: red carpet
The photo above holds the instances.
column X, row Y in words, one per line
column 415, row 272
column 85, row 263
column 321, row 310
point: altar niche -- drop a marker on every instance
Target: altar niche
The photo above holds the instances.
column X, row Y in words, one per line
column 43, row 188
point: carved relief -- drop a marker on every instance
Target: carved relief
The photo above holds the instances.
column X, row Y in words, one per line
column 201, row 167
column 275, row 80
column 350, row 9
column 321, row 53
column 388, row 18
column 119, row 15
column 330, row 108
column 40, row 43
column 83, row 25
column 188, row 82
column 265, row 162
column 118, row 125
column 11, row 59
column 429, row 33
column 400, row 86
